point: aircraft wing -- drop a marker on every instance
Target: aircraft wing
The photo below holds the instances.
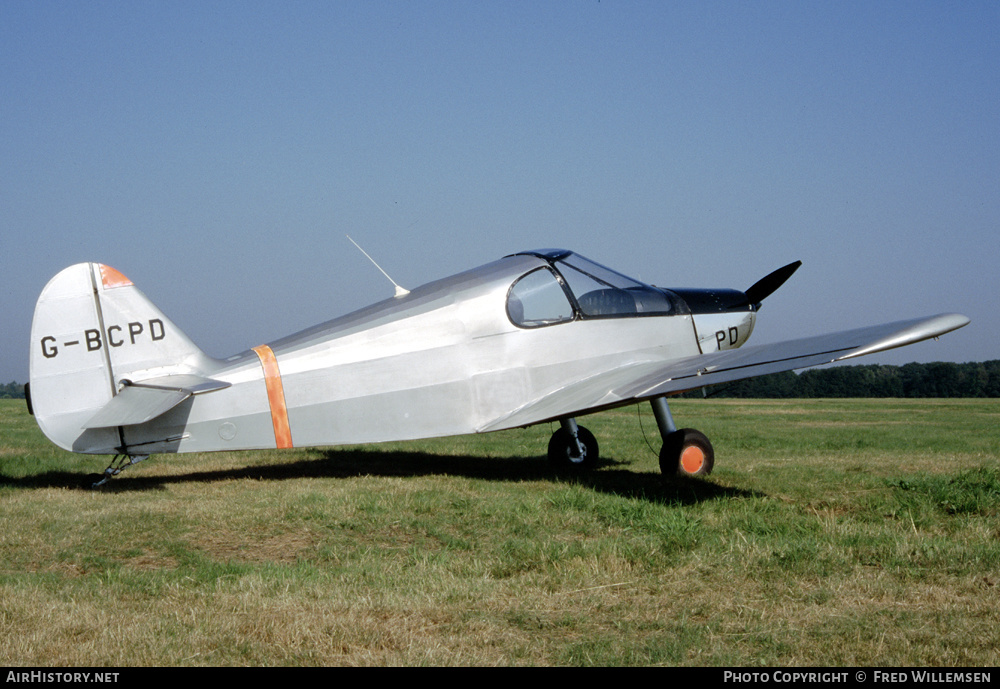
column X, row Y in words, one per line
column 648, row 379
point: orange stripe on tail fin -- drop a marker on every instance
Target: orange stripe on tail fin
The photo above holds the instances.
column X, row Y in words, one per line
column 112, row 278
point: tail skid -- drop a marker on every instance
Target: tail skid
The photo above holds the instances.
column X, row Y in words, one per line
column 93, row 331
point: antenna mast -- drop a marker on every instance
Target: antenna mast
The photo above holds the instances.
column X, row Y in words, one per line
column 400, row 291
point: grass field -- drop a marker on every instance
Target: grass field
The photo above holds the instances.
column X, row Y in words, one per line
column 847, row 532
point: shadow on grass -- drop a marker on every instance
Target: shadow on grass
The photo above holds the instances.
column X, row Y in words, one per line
column 612, row 478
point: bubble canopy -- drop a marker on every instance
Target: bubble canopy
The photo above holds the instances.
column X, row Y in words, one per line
column 572, row 287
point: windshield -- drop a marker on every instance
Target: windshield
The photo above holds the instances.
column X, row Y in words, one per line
column 600, row 291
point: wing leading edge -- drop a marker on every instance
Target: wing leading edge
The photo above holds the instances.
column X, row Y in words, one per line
column 645, row 380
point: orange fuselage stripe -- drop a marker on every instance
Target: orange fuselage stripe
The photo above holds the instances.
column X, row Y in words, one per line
column 275, row 397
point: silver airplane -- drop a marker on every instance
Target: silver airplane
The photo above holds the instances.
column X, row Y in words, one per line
column 535, row 337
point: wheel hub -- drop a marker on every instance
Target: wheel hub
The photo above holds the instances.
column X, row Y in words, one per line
column 692, row 459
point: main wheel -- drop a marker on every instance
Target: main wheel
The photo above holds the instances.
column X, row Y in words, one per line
column 686, row 452
column 563, row 451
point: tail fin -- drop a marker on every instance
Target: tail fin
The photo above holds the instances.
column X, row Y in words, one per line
column 92, row 329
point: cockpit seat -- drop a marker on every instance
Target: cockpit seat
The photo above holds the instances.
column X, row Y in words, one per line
column 607, row 302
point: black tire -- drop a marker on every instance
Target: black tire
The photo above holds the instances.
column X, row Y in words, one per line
column 687, row 452
column 562, row 450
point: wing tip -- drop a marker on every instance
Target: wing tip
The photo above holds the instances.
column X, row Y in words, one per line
column 912, row 332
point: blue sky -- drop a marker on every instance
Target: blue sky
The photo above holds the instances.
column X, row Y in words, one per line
column 218, row 153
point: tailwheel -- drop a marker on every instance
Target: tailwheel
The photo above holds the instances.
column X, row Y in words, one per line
column 566, row 452
column 686, row 452
column 117, row 466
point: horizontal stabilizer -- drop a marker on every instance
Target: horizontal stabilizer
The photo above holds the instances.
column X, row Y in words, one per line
column 140, row 402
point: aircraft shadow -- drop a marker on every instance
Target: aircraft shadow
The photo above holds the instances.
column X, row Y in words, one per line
column 613, row 478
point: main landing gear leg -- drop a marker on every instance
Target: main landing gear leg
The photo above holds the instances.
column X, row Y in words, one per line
column 573, row 446
column 685, row 451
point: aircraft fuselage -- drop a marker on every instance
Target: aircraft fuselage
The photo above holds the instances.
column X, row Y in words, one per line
column 450, row 357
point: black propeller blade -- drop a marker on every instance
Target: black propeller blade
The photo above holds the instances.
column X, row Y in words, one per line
column 764, row 287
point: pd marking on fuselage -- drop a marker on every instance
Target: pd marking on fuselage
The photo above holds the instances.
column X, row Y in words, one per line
column 734, row 336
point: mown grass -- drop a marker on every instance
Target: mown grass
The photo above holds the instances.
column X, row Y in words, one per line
column 842, row 532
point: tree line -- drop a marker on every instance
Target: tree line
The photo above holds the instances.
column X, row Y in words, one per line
column 12, row 390
column 938, row 379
